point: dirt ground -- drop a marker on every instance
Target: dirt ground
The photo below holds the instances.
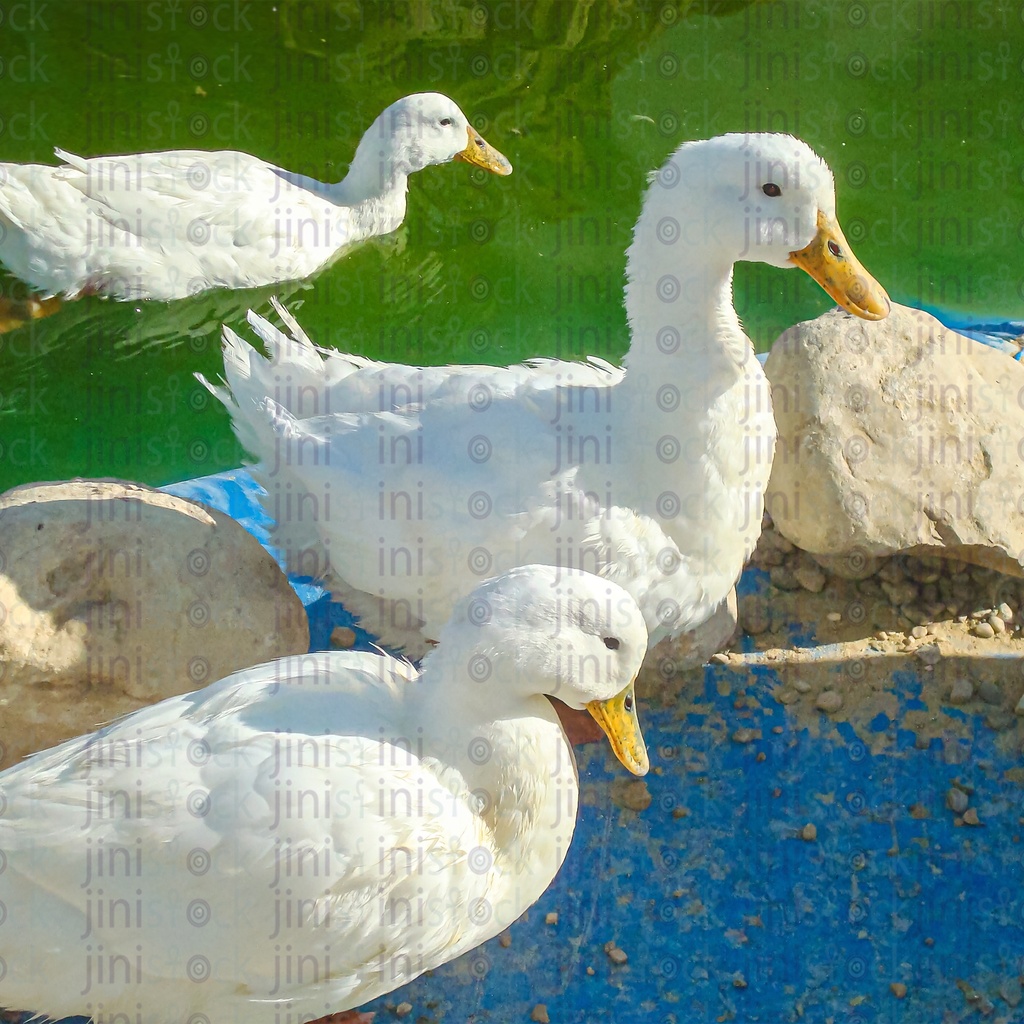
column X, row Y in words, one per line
column 943, row 633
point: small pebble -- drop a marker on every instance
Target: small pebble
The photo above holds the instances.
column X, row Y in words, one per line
column 720, row 658
column 342, row 637
column 810, row 577
column 975, row 999
column 929, row 654
column 551, row 918
column 956, row 800
column 786, row 696
column 829, row 701
column 809, row 833
column 919, row 811
column 746, row 735
column 778, row 730
column 997, row 624
column 761, row 756
column 971, row 817
column 539, row 1014
column 505, row 939
column 1005, row 612
column 898, row 989
column 739, row 981
column 834, row 616
column 961, row 692
column 989, row 692
column 900, row 594
column 924, row 570
column 1010, row 991
column 632, row 794
column 984, row 630
column 869, row 587
column 616, row 955
column 801, row 686
column 784, row 578
column 403, row 1009
column 890, row 572
column 915, row 614
column 919, row 632
column 590, row 971
column 999, row 720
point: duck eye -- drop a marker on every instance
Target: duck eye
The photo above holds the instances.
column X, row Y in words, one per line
column 611, row 642
column 835, row 250
column 771, row 189
column 445, row 122
column 628, row 702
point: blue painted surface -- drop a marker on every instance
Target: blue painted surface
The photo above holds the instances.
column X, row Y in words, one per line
column 725, row 912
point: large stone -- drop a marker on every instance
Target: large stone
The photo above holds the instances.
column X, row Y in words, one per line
column 897, row 435
column 113, row 596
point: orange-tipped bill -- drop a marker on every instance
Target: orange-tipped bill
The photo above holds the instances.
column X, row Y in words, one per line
column 830, row 261
column 481, row 154
column 617, row 717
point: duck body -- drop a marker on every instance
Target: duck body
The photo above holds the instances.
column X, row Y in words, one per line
column 305, row 835
column 168, row 225
column 397, row 483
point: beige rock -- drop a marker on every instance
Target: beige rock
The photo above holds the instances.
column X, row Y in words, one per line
column 897, row 435
column 114, row 596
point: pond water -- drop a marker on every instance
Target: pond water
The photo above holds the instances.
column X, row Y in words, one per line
column 917, row 106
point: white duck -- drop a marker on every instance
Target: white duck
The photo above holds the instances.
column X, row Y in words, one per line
column 168, row 225
column 399, row 484
column 306, row 835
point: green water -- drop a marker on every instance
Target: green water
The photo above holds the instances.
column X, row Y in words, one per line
column 917, row 106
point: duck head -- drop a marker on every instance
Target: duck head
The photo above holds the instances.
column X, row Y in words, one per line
column 429, row 128
column 539, row 630
column 768, row 198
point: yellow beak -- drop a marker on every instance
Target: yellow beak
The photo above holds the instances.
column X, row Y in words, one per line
column 830, row 261
column 480, row 154
column 617, row 717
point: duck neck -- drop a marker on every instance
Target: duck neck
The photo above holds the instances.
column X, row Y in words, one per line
column 514, row 750
column 683, row 324
column 376, row 184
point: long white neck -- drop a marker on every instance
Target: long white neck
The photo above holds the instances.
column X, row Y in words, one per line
column 374, row 190
column 376, row 172
column 695, row 398
column 680, row 307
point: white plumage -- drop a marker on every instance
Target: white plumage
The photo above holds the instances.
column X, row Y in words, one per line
column 401, row 485
column 168, row 225
column 305, row 835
